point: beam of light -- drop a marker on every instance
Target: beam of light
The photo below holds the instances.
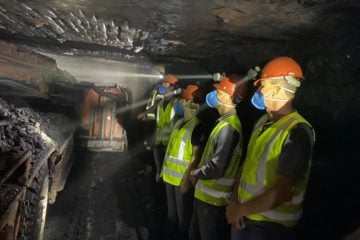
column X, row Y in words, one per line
column 113, row 74
column 131, row 106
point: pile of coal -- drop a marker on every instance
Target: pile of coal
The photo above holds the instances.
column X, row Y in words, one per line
column 23, row 129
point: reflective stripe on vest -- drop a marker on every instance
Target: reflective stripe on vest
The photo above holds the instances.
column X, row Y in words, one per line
column 212, row 192
column 179, row 152
column 278, row 216
column 260, row 169
column 215, row 191
column 164, row 122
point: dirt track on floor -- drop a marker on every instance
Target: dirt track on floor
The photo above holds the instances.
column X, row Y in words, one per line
column 107, row 196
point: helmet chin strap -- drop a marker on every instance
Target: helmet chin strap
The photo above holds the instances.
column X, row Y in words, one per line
column 288, row 90
column 277, row 100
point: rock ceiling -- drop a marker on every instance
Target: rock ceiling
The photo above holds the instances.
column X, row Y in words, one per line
column 168, row 30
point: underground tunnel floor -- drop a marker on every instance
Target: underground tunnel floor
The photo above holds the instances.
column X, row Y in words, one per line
column 107, row 196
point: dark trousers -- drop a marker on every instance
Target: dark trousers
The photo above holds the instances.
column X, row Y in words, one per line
column 208, row 222
column 159, row 155
column 179, row 211
column 261, row 230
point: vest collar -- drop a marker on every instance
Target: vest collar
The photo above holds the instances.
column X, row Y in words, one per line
column 228, row 114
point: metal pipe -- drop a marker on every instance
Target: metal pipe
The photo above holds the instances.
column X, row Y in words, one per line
column 12, row 210
column 40, row 163
column 20, row 161
column 202, row 76
column 64, row 145
column 20, row 87
column 112, row 123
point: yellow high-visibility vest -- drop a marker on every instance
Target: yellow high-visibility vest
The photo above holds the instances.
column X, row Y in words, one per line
column 260, row 169
column 179, row 152
column 215, row 191
column 164, row 122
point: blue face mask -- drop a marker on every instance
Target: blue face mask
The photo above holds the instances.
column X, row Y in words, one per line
column 179, row 109
column 211, row 99
column 258, row 100
column 163, row 90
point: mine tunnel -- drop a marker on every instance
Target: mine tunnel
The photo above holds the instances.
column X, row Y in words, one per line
column 77, row 161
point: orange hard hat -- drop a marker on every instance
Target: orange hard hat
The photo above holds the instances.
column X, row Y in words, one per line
column 171, row 79
column 226, row 86
column 282, row 66
column 191, row 92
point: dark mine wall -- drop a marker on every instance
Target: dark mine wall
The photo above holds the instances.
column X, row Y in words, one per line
column 330, row 100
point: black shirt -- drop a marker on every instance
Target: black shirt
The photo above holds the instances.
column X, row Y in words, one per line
column 296, row 152
column 197, row 136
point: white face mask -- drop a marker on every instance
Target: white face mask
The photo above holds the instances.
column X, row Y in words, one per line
column 277, row 99
column 225, row 104
column 191, row 109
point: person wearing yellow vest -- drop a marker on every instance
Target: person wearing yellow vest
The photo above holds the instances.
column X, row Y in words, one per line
column 165, row 120
column 218, row 166
column 183, row 153
column 276, row 169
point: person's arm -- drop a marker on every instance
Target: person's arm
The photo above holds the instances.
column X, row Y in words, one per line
column 197, row 140
column 142, row 115
column 276, row 195
column 225, row 144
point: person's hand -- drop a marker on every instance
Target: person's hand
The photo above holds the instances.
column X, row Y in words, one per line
column 239, row 225
column 234, row 214
column 141, row 116
column 185, row 185
column 192, row 178
column 233, row 196
column 158, row 178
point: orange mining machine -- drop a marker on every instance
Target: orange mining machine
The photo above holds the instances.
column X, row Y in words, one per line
column 101, row 119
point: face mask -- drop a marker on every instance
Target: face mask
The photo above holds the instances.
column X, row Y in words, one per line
column 179, row 109
column 258, row 100
column 163, row 90
column 191, row 109
column 211, row 99
column 190, row 112
column 277, row 99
